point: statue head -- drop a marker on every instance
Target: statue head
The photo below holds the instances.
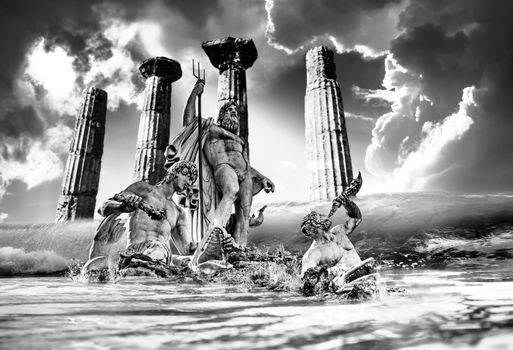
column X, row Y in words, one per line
column 228, row 117
column 315, row 225
column 182, row 174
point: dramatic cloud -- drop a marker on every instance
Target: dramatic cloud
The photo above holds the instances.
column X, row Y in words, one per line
column 40, row 161
column 305, row 23
column 426, row 84
column 65, row 52
column 427, row 141
column 395, row 133
column 428, row 161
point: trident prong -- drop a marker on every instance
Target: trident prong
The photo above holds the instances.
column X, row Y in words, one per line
column 197, row 72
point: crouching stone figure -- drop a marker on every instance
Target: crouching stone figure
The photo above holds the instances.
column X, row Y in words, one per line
column 332, row 264
column 152, row 223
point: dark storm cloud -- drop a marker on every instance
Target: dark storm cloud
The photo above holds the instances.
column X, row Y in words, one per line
column 352, row 70
column 484, row 155
column 28, row 133
column 23, row 120
column 24, row 22
column 442, row 59
column 98, row 47
column 454, row 45
column 297, row 23
column 76, row 26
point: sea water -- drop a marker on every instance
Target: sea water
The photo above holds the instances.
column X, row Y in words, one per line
column 446, row 277
column 462, row 307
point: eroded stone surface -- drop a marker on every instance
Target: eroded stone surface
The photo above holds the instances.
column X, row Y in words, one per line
column 328, row 157
column 82, row 174
column 153, row 134
column 230, row 50
column 232, row 56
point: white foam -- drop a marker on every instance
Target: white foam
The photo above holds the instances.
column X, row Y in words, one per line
column 17, row 261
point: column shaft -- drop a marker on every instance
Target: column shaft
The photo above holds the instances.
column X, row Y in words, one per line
column 82, row 174
column 154, row 126
column 232, row 56
column 328, row 156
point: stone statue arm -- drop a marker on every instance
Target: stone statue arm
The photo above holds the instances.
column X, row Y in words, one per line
column 218, row 132
column 180, row 235
column 353, row 212
column 134, row 194
column 190, row 106
column 260, row 182
column 310, row 259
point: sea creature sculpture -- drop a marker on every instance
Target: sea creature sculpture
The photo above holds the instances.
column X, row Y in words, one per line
column 332, row 263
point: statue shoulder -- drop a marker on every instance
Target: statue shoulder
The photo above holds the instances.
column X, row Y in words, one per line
column 182, row 214
column 176, row 212
column 338, row 229
column 214, row 128
column 141, row 188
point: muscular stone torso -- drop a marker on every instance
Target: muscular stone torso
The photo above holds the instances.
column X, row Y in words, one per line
column 143, row 228
column 222, row 147
column 338, row 251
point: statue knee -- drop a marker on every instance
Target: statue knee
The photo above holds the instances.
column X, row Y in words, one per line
column 230, row 191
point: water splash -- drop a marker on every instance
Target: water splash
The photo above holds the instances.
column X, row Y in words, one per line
column 18, row 261
column 411, row 227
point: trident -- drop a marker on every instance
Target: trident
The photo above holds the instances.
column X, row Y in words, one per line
column 197, row 72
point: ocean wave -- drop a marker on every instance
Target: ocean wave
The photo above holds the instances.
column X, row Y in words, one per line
column 17, row 261
column 450, row 246
column 410, row 228
column 450, row 240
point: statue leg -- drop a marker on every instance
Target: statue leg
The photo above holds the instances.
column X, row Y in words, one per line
column 228, row 184
column 243, row 211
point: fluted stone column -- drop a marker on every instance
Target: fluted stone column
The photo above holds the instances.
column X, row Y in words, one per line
column 328, row 157
column 82, row 174
column 153, row 135
column 232, row 56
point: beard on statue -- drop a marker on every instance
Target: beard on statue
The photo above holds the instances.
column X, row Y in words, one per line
column 228, row 118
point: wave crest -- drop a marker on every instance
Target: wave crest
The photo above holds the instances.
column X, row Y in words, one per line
column 16, row 261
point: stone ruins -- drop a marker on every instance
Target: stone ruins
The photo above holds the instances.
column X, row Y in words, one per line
column 329, row 167
column 232, row 56
column 82, row 174
column 153, row 136
column 328, row 157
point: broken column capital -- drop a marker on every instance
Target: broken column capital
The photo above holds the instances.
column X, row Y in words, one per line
column 226, row 52
column 94, row 106
column 320, row 66
column 99, row 94
column 161, row 67
column 153, row 134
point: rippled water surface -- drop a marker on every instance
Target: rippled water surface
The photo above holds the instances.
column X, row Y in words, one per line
column 466, row 306
column 467, row 303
